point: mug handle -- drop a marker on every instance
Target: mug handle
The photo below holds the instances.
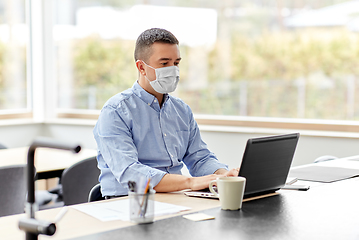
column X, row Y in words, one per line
column 211, row 188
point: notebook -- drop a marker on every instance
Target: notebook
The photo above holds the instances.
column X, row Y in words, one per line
column 265, row 165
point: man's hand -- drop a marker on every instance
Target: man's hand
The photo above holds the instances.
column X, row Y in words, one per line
column 198, row 183
column 231, row 173
column 175, row 182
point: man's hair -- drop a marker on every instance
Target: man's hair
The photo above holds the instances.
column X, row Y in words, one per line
column 146, row 39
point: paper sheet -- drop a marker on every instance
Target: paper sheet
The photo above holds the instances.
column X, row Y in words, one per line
column 198, row 217
column 119, row 210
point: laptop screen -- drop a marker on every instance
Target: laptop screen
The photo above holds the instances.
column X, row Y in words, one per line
column 266, row 163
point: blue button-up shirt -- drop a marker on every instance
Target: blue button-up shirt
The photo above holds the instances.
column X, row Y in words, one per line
column 136, row 139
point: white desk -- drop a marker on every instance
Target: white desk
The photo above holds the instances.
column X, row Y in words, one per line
column 76, row 223
column 49, row 162
column 278, row 210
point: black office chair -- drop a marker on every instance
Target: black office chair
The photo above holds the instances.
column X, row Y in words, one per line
column 78, row 180
column 95, row 194
column 13, row 189
column 42, row 197
column 2, row 146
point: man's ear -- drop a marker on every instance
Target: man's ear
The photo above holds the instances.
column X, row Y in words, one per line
column 140, row 67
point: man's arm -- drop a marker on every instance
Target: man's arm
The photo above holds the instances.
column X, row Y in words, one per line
column 199, row 160
column 175, row 182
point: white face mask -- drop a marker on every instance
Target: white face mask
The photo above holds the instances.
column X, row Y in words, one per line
column 166, row 80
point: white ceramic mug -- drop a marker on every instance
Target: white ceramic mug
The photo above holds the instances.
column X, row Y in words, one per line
column 230, row 191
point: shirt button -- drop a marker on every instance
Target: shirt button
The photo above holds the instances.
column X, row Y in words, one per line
column 155, row 100
column 149, row 104
column 171, row 155
column 165, row 134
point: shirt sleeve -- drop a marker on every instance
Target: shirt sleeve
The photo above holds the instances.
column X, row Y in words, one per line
column 198, row 158
column 115, row 144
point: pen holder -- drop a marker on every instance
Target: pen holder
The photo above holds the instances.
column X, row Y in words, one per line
column 142, row 206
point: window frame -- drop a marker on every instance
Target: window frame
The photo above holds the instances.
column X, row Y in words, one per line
column 43, row 94
column 244, row 122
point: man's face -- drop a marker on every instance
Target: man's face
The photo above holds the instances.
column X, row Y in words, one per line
column 163, row 55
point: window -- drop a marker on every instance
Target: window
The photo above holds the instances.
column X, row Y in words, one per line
column 277, row 59
column 13, row 42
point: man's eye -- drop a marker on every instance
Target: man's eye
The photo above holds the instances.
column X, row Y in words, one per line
column 177, row 63
column 164, row 64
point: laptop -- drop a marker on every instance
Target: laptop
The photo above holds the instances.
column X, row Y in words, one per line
column 265, row 165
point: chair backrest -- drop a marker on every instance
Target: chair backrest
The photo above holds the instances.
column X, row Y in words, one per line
column 2, row 146
column 78, row 180
column 95, row 193
column 13, row 189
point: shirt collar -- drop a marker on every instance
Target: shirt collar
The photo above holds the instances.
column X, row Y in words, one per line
column 145, row 96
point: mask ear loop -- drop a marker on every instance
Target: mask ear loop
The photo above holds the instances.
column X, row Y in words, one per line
column 150, row 67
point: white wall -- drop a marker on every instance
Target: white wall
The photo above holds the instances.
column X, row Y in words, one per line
column 227, row 145
column 18, row 134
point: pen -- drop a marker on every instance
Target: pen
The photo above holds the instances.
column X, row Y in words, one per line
column 146, row 202
column 145, row 199
column 147, row 186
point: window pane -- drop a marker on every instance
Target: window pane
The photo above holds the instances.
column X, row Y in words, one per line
column 286, row 58
column 13, row 40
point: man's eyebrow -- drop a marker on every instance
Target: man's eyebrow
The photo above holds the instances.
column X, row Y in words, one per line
column 164, row 59
column 168, row 59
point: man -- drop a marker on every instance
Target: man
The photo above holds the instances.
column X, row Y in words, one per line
column 144, row 132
